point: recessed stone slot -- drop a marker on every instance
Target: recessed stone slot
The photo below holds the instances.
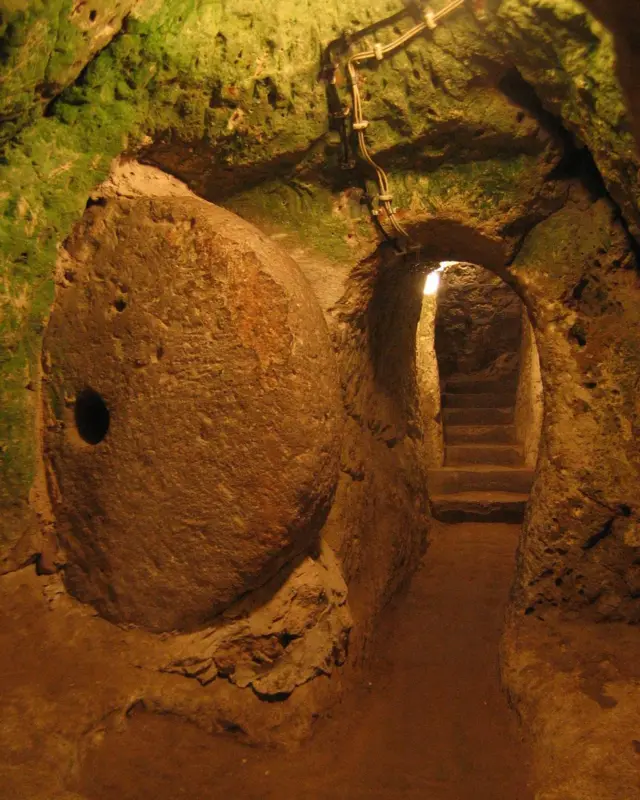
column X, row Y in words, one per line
column 91, row 416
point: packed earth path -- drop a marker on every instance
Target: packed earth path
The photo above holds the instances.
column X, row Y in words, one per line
column 428, row 722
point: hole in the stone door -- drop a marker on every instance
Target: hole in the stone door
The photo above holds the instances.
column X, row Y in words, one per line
column 286, row 639
column 92, row 416
column 93, row 15
column 120, row 304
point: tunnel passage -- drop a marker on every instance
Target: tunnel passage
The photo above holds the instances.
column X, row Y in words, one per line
column 490, row 395
column 194, row 419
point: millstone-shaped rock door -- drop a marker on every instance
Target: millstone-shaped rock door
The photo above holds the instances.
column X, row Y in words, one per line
column 193, row 411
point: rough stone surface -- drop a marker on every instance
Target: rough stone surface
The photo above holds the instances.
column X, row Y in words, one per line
column 622, row 18
column 276, row 639
column 98, row 674
column 478, row 324
column 577, row 551
column 485, row 507
column 207, row 348
column 569, row 58
column 45, row 46
column 379, row 522
column 529, row 399
column 577, row 688
column 362, row 752
column 429, row 382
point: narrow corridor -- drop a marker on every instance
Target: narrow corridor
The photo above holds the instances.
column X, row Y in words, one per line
column 429, row 721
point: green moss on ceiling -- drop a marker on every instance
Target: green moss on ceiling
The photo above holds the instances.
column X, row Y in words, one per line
column 483, row 190
column 236, row 85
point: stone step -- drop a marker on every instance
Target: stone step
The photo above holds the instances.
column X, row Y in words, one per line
column 498, row 454
column 452, row 480
column 480, row 385
column 480, row 434
column 479, row 507
column 479, row 400
column 477, row 416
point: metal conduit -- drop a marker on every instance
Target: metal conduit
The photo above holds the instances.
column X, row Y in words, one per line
column 360, row 124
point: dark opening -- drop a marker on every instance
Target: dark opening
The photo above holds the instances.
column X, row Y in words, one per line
column 92, row 416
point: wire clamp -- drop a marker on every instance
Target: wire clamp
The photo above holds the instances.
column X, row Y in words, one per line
column 377, row 51
column 360, row 126
column 430, row 18
column 385, row 198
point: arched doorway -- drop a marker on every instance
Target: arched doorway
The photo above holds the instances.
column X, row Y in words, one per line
column 480, row 374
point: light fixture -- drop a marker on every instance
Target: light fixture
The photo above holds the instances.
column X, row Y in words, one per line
column 433, row 278
column 432, row 282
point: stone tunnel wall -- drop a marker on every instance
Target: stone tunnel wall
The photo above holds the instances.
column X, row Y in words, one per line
column 580, row 546
column 478, row 324
column 380, row 520
column 429, row 383
column 529, row 399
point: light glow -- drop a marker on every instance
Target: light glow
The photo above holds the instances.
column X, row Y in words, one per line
column 432, row 282
column 433, row 278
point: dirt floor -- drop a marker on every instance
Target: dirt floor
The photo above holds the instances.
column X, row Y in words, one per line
column 429, row 720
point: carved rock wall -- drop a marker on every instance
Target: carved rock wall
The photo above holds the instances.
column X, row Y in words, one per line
column 429, row 383
column 478, row 324
column 529, row 399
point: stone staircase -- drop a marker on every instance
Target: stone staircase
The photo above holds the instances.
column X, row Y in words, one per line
column 483, row 478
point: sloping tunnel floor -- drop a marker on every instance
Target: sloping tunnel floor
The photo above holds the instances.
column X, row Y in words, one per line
column 429, row 720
